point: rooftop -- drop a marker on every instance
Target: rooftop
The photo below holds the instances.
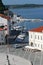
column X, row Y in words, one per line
column 1, row 29
column 4, row 16
column 39, row 29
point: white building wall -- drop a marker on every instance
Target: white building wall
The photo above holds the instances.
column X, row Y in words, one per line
column 31, row 37
column 36, row 38
column 3, row 21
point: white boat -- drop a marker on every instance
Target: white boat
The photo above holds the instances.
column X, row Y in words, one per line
column 21, row 28
column 17, row 27
column 20, row 37
column 32, row 48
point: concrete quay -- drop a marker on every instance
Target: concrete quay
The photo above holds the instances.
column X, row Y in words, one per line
column 35, row 57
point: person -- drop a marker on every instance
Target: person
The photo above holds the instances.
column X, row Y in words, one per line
column 8, row 60
column 31, row 62
column 7, row 57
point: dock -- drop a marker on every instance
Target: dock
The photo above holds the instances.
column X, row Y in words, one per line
column 33, row 20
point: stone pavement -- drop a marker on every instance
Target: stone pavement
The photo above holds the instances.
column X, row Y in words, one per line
column 9, row 59
column 35, row 57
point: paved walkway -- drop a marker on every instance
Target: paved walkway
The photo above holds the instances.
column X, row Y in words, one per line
column 9, row 59
column 35, row 57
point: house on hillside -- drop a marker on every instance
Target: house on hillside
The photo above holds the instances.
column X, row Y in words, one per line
column 5, row 21
column 36, row 37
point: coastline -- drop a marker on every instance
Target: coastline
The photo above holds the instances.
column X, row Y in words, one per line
column 24, row 6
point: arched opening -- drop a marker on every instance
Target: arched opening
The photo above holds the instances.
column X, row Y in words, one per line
column 31, row 43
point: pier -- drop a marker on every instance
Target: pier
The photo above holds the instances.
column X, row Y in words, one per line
column 33, row 20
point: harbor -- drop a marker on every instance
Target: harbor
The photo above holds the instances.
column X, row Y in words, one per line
column 21, row 36
column 35, row 57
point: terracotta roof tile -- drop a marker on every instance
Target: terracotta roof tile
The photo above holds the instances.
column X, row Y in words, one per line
column 39, row 29
column 1, row 29
column 4, row 16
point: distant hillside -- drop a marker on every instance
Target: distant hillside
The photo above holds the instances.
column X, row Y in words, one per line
column 25, row 6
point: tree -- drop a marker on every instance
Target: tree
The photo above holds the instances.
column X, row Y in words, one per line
column 2, row 7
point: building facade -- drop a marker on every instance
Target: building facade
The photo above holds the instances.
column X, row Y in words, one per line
column 36, row 37
column 2, row 36
column 5, row 21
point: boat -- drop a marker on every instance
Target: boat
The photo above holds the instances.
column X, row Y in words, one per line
column 32, row 48
column 17, row 27
column 21, row 37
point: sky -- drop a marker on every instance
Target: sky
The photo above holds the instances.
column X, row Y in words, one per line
column 22, row 1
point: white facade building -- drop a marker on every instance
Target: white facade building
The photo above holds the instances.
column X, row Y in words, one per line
column 14, row 17
column 36, row 37
column 5, row 21
column 2, row 36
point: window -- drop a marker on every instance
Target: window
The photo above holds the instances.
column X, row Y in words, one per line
column 38, row 45
column 2, row 39
column 35, row 36
column 38, row 37
column 31, row 36
column 41, row 37
column 31, row 43
column 35, row 44
column 1, row 35
column 41, row 45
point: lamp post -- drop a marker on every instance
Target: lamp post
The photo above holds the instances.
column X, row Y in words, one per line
column 7, row 42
